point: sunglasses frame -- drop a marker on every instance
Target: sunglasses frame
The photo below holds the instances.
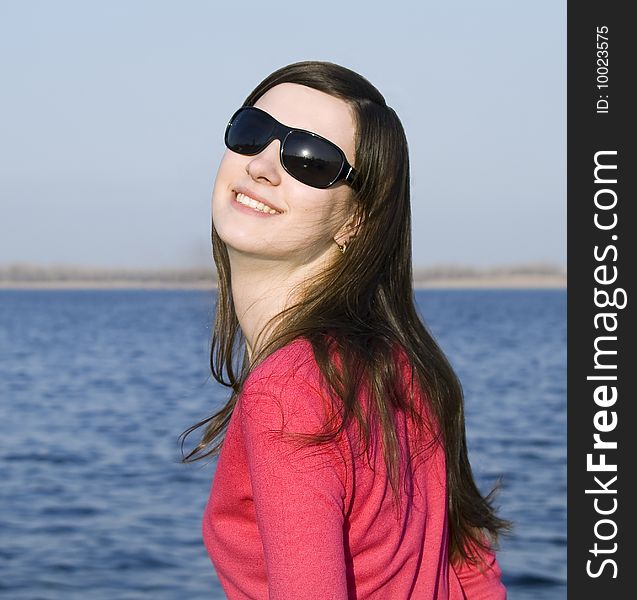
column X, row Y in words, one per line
column 281, row 132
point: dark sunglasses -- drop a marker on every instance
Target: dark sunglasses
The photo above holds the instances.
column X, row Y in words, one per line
column 306, row 156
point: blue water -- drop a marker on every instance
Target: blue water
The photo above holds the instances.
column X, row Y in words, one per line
column 96, row 386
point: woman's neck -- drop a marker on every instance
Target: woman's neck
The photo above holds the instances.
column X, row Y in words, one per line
column 262, row 288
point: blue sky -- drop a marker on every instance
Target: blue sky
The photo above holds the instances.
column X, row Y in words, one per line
column 113, row 114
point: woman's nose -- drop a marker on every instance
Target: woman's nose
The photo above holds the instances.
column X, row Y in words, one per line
column 266, row 165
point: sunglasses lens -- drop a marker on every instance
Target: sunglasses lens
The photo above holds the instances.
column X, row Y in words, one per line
column 249, row 132
column 311, row 160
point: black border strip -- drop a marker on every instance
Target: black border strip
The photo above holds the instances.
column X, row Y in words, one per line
column 602, row 357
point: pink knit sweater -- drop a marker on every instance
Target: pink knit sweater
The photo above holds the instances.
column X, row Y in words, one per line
column 283, row 523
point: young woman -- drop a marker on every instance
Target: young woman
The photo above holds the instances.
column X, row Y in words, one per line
column 342, row 468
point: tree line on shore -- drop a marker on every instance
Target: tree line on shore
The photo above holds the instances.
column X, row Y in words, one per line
column 28, row 273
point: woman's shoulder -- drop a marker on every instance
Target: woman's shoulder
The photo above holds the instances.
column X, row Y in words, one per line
column 285, row 392
column 296, row 361
column 293, row 360
column 289, row 376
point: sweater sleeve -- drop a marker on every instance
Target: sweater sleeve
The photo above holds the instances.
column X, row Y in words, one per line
column 482, row 585
column 298, row 494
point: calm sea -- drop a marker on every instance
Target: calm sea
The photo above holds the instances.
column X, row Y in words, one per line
column 96, row 386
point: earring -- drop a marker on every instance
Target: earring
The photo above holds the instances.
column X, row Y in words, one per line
column 343, row 247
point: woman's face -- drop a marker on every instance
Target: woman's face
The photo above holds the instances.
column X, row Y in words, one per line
column 307, row 218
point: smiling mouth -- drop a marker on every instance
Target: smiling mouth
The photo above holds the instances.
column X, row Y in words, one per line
column 255, row 204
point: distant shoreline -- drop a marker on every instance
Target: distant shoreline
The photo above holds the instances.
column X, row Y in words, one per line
column 504, row 282
column 451, row 276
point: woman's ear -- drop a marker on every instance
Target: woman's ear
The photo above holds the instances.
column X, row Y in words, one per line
column 349, row 229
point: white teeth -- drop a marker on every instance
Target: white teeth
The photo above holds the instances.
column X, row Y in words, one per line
column 252, row 203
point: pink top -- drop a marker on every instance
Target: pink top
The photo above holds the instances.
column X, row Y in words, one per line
column 293, row 524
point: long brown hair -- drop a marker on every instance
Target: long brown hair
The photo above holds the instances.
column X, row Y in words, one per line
column 362, row 306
